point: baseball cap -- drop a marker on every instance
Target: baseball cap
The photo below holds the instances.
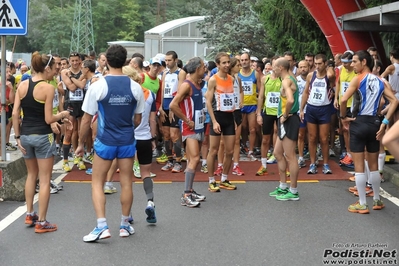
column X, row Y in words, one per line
column 160, row 56
column 155, row 60
column 146, row 64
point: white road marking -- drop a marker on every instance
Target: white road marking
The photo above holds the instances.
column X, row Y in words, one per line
column 22, row 209
column 389, row 197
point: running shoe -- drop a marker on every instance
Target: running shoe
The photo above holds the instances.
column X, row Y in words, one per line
column 89, row 171
column 136, row 169
column 184, row 157
column 237, row 171
column 152, row 174
column 272, row 160
column 346, row 160
column 109, row 189
column 342, row 156
column 196, row 196
column 301, row 163
column 219, row 171
column 187, row 200
column 167, row 167
column 312, row 169
column 97, row 234
column 269, row 153
column 204, row 169
column 326, row 169
column 130, row 219
column 10, row 147
column 213, row 187
column 76, row 160
column 354, row 189
column 227, row 185
column 251, row 157
column 162, row 159
column 369, row 192
column 177, row 168
column 287, row 173
column 150, row 211
column 31, row 219
column 66, row 167
column 125, row 231
column 88, row 158
column 288, row 196
column 81, row 165
column 45, row 227
column 53, row 190
column 358, row 208
column 378, row 204
column 352, row 178
column 331, row 153
column 262, row 171
column 55, row 185
column 278, row 191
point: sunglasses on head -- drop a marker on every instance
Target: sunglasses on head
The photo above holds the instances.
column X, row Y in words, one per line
column 49, row 61
column 74, row 54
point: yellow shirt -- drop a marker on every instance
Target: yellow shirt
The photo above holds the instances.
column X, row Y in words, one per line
column 345, row 78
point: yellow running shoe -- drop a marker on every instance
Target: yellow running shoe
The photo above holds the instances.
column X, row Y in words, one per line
column 162, row 159
column 66, row 167
column 76, row 160
column 213, row 187
column 227, row 185
column 262, row 171
column 81, row 165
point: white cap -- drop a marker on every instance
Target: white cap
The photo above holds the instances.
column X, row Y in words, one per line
column 146, row 64
column 160, row 56
column 254, row 58
column 155, row 60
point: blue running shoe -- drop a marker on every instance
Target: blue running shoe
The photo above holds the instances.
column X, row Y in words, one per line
column 342, row 156
column 125, row 231
column 326, row 169
column 89, row 171
column 97, row 234
column 150, row 211
column 312, row 169
column 130, row 219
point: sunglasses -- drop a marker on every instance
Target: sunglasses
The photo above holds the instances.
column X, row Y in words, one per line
column 49, row 61
column 74, row 54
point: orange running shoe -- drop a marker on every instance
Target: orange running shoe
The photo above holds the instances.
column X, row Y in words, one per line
column 31, row 219
column 44, row 228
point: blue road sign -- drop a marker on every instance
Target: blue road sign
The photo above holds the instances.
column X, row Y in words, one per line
column 14, row 17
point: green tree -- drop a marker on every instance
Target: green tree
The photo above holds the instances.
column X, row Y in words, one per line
column 290, row 27
column 234, row 27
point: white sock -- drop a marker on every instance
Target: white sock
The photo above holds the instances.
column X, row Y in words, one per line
column 367, row 171
column 110, row 184
column 361, row 179
column 300, row 158
column 375, row 181
column 203, row 162
column 283, row 185
column 101, row 222
column 224, row 177
column 381, row 161
column 124, row 220
column 220, row 164
column 212, row 179
column 235, row 165
column 350, row 156
column 294, row 190
column 264, row 162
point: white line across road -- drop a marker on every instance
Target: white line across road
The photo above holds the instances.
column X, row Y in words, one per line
column 22, row 209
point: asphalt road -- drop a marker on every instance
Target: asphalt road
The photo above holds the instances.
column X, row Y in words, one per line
column 242, row 227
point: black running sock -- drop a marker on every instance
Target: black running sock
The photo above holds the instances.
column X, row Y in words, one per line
column 148, row 188
column 66, row 148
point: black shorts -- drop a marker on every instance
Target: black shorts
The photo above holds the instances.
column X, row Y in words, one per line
column 144, row 151
column 167, row 122
column 268, row 123
column 226, row 122
column 238, row 117
column 348, row 112
column 363, row 132
column 290, row 128
column 75, row 109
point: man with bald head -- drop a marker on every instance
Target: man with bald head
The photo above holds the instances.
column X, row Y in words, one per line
column 287, row 132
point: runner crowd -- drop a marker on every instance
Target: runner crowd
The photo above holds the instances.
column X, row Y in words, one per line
column 280, row 110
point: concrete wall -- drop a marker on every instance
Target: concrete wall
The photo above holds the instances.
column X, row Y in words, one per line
column 13, row 177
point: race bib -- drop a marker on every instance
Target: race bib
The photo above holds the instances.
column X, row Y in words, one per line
column 318, row 96
column 237, row 100
column 199, row 119
column 272, row 99
column 167, row 92
column 247, row 87
column 56, row 100
column 76, row 95
column 344, row 87
column 226, row 103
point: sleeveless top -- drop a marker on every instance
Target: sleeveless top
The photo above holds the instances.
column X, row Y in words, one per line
column 170, row 89
column 192, row 107
column 223, row 98
column 34, row 118
column 77, row 95
column 249, row 88
column 237, row 97
column 272, row 95
column 320, row 93
column 301, row 87
column 116, row 112
column 366, row 99
column 345, row 78
column 143, row 131
column 283, row 101
column 151, row 84
column 56, row 100
column 394, row 80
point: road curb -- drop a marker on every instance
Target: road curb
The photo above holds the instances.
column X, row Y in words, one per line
column 391, row 173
